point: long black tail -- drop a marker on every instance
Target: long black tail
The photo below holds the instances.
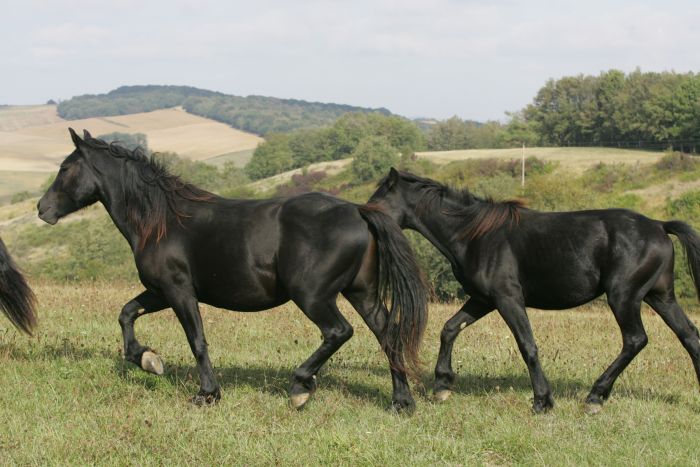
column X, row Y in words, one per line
column 691, row 243
column 401, row 282
column 16, row 298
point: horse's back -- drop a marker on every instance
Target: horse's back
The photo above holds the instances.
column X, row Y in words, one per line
column 569, row 258
column 323, row 240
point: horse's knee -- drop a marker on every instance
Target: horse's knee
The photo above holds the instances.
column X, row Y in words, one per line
column 451, row 330
column 128, row 314
column 636, row 342
column 340, row 333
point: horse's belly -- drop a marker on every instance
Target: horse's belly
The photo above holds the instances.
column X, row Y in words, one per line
column 557, row 292
column 241, row 292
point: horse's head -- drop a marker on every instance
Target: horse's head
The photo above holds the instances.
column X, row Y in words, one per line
column 75, row 186
column 400, row 195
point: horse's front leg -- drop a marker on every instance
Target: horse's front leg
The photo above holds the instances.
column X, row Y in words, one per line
column 186, row 308
column 144, row 357
column 470, row 313
column 512, row 309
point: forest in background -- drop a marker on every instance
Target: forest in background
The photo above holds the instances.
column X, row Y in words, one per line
column 255, row 114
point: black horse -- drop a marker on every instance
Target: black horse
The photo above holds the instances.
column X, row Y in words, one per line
column 16, row 298
column 508, row 257
column 192, row 246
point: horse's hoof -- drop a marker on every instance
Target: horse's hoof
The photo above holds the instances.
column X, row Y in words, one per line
column 543, row 406
column 442, row 395
column 152, row 363
column 406, row 406
column 206, row 400
column 593, row 408
column 299, row 400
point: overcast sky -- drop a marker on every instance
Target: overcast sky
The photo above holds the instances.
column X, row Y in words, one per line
column 474, row 59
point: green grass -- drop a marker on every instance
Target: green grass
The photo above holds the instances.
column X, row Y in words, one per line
column 239, row 158
column 12, row 182
column 68, row 398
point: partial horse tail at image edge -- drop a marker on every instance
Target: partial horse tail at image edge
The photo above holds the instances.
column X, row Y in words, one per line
column 400, row 282
column 17, row 300
column 691, row 243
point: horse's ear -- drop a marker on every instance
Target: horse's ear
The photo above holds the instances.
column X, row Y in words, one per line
column 86, row 134
column 76, row 139
column 393, row 178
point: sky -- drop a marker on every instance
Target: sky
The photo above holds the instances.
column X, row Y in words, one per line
column 473, row 59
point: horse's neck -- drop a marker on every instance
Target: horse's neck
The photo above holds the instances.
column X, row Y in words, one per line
column 440, row 230
column 112, row 198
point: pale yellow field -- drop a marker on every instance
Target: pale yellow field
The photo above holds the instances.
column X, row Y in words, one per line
column 573, row 158
column 41, row 146
column 22, row 116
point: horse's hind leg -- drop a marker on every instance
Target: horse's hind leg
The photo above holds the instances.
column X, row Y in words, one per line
column 470, row 313
column 144, row 357
column 375, row 316
column 667, row 307
column 634, row 338
column 335, row 331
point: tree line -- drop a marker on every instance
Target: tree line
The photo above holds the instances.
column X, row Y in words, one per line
column 373, row 140
column 256, row 114
column 639, row 109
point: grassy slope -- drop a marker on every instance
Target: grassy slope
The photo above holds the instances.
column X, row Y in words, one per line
column 12, row 182
column 16, row 117
column 68, row 398
column 574, row 159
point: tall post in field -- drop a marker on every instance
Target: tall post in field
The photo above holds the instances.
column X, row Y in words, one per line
column 522, row 171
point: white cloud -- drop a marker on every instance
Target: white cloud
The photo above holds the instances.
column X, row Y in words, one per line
column 471, row 58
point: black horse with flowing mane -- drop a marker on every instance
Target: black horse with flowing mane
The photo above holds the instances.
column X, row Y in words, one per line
column 192, row 246
column 508, row 257
column 16, row 298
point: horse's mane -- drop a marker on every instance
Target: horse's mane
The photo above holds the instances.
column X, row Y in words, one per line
column 150, row 191
column 480, row 215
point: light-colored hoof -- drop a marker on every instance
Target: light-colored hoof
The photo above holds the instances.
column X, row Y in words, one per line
column 592, row 409
column 442, row 396
column 152, row 363
column 298, row 400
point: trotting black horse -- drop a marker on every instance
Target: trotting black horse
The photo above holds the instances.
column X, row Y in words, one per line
column 508, row 257
column 192, row 246
column 16, row 298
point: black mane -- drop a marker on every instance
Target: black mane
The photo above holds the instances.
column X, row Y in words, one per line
column 150, row 191
column 480, row 215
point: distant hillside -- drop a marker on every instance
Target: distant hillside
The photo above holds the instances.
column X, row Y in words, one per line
column 255, row 114
column 39, row 143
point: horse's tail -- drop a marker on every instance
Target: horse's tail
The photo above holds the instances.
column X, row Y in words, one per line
column 16, row 298
column 401, row 282
column 691, row 243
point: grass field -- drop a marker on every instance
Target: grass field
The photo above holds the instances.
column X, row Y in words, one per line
column 31, row 140
column 330, row 167
column 68, row 398
column 239, row 158
column 575, row 159
column 12, row 182
column 16, row 117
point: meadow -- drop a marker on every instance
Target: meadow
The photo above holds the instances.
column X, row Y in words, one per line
column 68, row 397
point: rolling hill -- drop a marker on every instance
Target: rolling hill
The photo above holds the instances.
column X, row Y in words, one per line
column 32, row 147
